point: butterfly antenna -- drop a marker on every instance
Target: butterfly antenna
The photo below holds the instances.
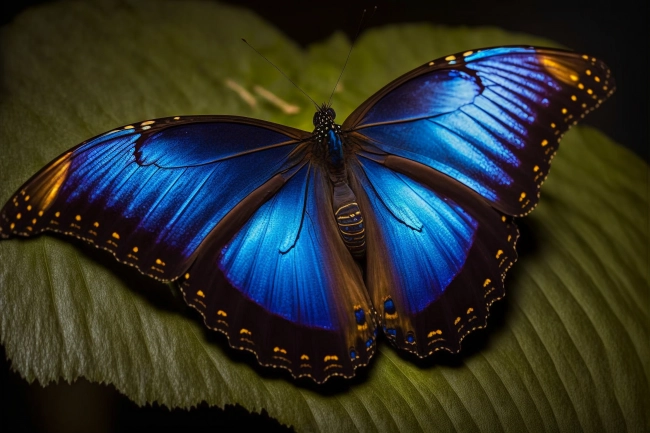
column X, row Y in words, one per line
column 280, row 71
column 351, row 47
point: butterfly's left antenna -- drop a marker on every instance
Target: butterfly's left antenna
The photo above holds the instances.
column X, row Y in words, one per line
column 350, row 52
column 280, row 71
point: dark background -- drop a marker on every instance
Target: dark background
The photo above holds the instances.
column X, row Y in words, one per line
column 615, row 32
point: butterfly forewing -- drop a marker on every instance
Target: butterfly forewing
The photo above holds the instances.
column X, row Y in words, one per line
column 491, row 118
column 151, row 193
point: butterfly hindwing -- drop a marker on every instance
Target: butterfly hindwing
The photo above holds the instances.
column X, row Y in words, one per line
column 285, row 288
column 491, row 118
column 152, row 192
column 437, row 253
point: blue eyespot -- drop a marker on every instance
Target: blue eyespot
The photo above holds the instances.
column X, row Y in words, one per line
column 360, row 315
column 389, row 306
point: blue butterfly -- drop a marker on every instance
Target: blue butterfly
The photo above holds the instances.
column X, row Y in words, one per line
column 302, row 246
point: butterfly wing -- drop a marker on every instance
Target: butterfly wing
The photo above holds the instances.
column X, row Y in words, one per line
column 437, row 253
column 232, row 207
column 444, row 156
column 151, row 193
column 285, row 287
column 491, row 118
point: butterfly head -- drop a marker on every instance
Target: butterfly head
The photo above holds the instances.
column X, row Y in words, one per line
column 324, row 123
column 325, row 115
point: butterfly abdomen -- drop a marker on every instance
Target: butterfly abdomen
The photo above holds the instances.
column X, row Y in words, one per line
column 350, row 220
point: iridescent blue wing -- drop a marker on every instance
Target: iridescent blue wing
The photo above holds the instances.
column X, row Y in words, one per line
column 437, row 252
column 285, row 287
column 490, row 118
column 444, row 156
column 151, row 193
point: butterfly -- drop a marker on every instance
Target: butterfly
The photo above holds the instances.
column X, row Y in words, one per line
column 302, row 247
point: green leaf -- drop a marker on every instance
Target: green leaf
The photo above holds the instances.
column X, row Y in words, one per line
column 566, row 350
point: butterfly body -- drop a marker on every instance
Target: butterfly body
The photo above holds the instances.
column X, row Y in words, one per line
column 302, row 247
column 328, row 137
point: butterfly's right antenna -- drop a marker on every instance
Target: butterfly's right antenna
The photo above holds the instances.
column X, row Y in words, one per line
column 280, row 71
column 351, row 47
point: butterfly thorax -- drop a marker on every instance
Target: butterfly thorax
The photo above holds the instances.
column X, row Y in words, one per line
column 346, row 210
column 327, row 135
